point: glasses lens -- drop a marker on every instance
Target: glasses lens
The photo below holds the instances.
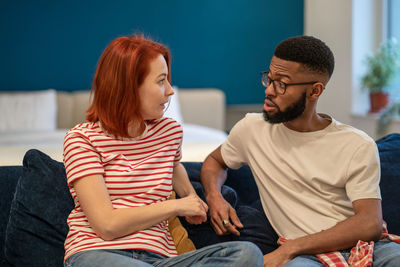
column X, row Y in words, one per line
column 280, row 87
column 264, row 79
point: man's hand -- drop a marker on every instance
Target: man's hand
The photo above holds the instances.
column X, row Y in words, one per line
column 277, row 258
column 223, row 217
column 213, row 175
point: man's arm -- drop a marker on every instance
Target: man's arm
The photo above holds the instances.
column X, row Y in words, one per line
column 365, row 224
column 213, row 176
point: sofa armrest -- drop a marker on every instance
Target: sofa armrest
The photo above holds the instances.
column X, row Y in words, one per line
column 204, row 106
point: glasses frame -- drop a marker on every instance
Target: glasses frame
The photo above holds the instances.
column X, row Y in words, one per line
column 265, row 73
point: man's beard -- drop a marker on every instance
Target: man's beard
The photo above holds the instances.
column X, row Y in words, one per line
column 292, row 112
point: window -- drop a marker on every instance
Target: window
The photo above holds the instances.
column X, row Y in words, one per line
column 393, row 30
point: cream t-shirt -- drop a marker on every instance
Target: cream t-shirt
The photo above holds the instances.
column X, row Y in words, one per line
column 307, row 181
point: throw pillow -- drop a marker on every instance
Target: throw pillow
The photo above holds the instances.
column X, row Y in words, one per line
column 35, row 110
column 37, row 225
column 179, row 234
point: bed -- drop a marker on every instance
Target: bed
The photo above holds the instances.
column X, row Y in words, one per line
column 40, row 119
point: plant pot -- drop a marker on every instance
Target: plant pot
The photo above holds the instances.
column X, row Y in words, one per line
column 378, row 101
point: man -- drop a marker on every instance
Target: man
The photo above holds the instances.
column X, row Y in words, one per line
column 318, row 179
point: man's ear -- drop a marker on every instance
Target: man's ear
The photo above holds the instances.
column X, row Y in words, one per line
column 316, row 90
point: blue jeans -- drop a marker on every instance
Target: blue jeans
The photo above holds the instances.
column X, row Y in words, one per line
column 230, row 254
column 386, row 254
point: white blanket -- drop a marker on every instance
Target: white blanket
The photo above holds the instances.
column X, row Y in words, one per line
column 198, row 142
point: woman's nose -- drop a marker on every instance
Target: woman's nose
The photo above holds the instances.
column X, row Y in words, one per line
column 168, row 89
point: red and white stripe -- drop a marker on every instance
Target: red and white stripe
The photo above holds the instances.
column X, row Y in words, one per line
column 136, row 173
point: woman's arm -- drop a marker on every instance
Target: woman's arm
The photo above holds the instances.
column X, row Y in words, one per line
column 183, row 187
column 110, row 223
column 180, row 181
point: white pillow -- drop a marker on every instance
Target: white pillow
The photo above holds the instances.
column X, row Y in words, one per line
column 23, row 111
column 174, row 109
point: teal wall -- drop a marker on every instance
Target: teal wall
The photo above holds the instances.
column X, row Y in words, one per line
column 214, row 43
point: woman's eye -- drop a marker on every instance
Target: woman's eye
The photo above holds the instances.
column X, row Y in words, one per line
column 161, row 81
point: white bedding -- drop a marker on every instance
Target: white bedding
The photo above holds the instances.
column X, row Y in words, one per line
column 198, row 142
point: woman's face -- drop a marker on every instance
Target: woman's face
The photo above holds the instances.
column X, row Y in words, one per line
column 155, row 90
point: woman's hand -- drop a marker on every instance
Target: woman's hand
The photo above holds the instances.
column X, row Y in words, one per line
column 193, row 208
column 198, row 219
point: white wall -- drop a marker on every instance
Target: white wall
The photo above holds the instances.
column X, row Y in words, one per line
column 367, row 34
column 351, row 28
column 330, row 21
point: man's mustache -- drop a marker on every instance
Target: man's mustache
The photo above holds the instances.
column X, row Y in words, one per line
column 270, row 100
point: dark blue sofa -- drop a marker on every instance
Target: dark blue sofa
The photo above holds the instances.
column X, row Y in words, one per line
column 35, row 202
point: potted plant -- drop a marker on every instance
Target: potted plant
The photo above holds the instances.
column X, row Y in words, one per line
column 386, row 118
column 381, row 69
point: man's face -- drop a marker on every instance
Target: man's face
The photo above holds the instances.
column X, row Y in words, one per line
column 290, row 105
column 290, row 113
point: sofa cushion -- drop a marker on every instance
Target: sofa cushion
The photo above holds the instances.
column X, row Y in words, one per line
column 389, row 153
column 257, row 229
column 37, row 226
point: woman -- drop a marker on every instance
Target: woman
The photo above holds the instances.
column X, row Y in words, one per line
column 123, row 165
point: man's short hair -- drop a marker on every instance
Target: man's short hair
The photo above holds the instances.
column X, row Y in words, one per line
column 313, row 53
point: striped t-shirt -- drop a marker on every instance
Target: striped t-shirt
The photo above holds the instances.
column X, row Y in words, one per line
column 137, row 172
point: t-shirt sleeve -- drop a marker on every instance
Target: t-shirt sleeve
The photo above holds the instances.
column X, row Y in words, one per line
column 80, row 157
column 364, row 173
column 179, row 133
column 233, row 149
column 178, row 154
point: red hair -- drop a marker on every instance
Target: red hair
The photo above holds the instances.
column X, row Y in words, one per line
column 121, row 70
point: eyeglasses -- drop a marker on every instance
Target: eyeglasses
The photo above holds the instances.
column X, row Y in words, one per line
column 279, row 86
